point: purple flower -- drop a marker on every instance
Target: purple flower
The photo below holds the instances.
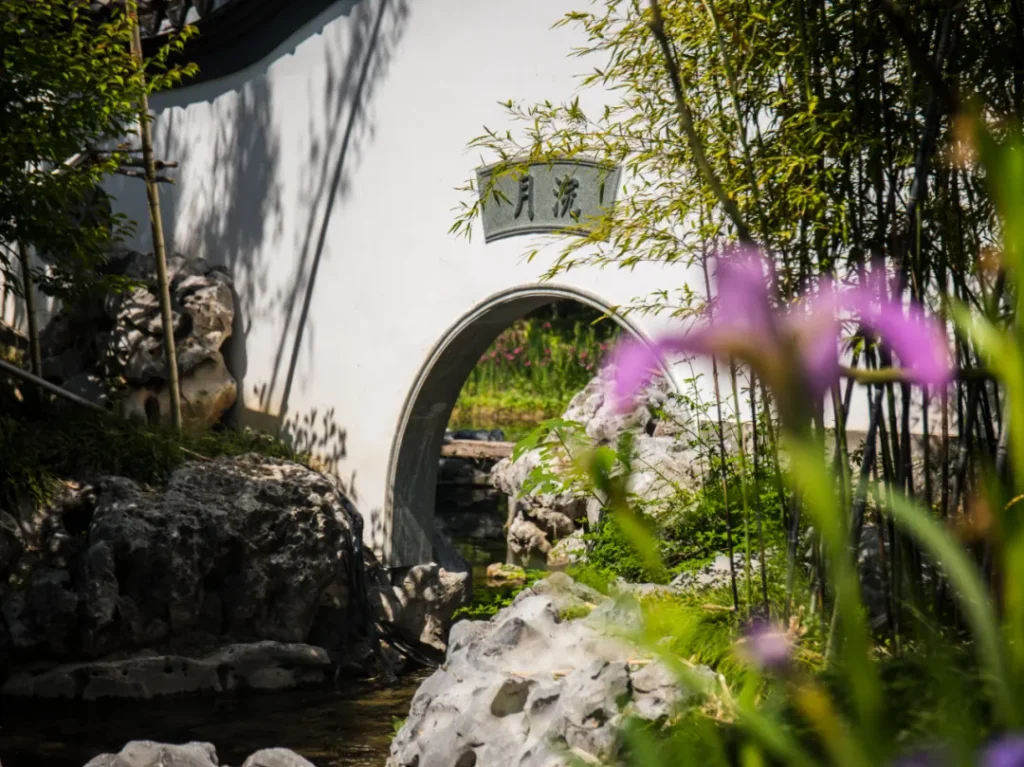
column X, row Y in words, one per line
column 767, row 646
column 1007, row 751
column 745, row 326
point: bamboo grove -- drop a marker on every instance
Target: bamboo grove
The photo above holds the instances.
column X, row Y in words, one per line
column 831, row 135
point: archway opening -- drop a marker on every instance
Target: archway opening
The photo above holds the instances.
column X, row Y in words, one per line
column 528, row 374
column 412, row 532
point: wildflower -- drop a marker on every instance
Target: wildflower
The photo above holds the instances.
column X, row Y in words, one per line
column 1007, row 751
column 767, row 646
column 795, row 349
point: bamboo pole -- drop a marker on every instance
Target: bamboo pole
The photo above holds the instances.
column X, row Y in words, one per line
column 156, row 225
column 35, row 351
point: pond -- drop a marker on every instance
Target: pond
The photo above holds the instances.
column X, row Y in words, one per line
column 351, row 726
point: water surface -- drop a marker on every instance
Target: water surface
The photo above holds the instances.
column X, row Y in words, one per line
column 351, row 726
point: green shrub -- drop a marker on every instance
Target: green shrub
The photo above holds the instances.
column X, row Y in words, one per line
column 45, row 442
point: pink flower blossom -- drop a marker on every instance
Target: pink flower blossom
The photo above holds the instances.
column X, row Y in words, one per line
column 747, row 327
column 767, row 646
column 1008, row 751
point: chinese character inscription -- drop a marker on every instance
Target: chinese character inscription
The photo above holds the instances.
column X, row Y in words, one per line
column 565, row 192
column 557, row 196
column 525, row 196
column 566, row 188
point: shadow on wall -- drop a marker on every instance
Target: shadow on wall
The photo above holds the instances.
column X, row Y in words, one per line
column 235, row 212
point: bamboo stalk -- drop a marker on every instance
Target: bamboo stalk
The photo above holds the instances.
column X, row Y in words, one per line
column 156, row 225
column 757, row 495
column 722, row 456
column 35, row 350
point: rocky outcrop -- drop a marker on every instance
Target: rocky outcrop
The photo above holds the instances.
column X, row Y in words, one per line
column 530, row 689
column 121, row 338
column 146, row 753
column 662, row 462
column 232, row 551
column 421, row 605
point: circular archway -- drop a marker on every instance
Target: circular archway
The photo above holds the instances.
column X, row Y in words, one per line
column 409, row 535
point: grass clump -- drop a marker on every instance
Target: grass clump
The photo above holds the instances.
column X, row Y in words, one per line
column 487, row 602
column 43, row 442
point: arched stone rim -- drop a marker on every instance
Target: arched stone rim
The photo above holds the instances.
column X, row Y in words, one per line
column 412, row 468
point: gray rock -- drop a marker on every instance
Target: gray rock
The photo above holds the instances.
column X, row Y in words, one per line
column 146, row 753
column 665, row 469
column 231, row 551
column 122, row 335
column 568, row 551
column 527, row 543
column 525, row 686
column 712, row 575
column 421, row 605
column 276, row 757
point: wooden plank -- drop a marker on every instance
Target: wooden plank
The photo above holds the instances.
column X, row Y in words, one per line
column 472, row 448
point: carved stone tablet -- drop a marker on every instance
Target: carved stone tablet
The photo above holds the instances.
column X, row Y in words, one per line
column 546, row 197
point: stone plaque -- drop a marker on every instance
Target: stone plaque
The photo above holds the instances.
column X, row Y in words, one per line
column 546, row 197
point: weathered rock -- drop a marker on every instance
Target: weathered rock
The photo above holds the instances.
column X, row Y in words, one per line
column 664, row 468
column 231, row 551
column 276, row 757
column 500, row 573
column 421, row 605
column 207, row 392
column 146, row 753
column 122, row 335
column 520, row 688
column 527, row 542
column 567, row 551
column 716, row 573
column 257, row 666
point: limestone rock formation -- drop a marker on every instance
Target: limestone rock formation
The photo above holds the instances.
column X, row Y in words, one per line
column 662, row 463
column 420, row 606
column 527, row 688
column 146, row 753
column 121, row 336
column 232, row 551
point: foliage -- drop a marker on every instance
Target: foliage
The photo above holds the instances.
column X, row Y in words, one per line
column 488, row 602
column 611, row 553
column 817, row 120
column 574, row 612
column 52, row 441
column 828, row 133
column 69, row 85
column 397, row 723
column 844, row 714
column 532, row 370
